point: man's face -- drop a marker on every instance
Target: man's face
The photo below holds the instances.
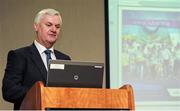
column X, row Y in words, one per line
column 48, row 30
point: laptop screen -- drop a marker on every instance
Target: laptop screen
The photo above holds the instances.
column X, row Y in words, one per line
column 63, row 73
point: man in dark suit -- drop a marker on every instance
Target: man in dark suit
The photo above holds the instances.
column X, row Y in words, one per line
column 27, row 65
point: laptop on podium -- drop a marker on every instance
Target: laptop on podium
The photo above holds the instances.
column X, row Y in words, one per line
column 66, row 73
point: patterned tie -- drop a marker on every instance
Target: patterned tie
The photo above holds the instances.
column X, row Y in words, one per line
column 48, row 55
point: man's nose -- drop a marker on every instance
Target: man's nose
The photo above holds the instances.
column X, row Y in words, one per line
column 53, row 29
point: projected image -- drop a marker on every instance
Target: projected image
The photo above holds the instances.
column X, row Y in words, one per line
column 151, row 53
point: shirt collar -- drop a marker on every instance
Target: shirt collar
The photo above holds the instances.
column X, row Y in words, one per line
column 41, row 48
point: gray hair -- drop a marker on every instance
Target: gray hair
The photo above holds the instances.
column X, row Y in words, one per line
column 48, row 11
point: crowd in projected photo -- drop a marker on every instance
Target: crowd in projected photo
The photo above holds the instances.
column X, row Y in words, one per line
column 151, row 47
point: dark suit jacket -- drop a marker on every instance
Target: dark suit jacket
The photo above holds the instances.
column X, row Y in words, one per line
column 24, row 68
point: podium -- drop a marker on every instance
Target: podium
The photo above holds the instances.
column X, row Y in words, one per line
column 40, row 97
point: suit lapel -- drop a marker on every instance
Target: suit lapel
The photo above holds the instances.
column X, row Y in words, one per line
column 38, row 61
column 58, row 56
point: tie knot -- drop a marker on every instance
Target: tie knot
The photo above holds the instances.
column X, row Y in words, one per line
column 47, row 52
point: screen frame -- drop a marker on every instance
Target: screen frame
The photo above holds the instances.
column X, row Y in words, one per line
column 107, row 63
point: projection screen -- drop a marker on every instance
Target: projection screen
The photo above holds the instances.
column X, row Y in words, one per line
column 143, row 49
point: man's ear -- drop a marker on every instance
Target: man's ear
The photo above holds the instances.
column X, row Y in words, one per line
column 35, row 27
